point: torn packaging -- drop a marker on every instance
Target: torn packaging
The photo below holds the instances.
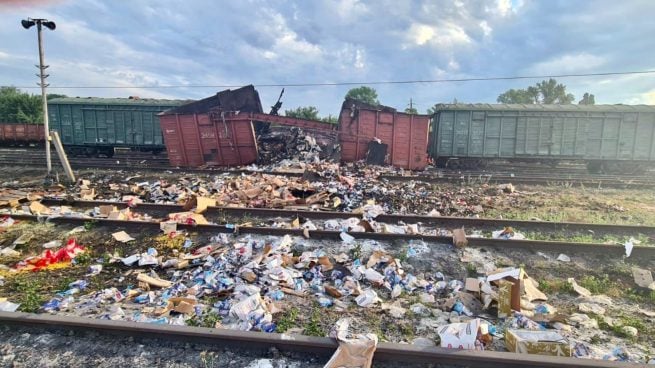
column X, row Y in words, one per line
column 537, row 342
column 460, row 335
column 352, row 352
column 643, row 278
column 459, row 238
column 512, row 284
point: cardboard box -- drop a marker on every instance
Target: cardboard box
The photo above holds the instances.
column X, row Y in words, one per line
column 537, row 342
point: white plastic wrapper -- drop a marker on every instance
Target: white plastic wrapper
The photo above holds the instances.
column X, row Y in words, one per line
column 460, row 335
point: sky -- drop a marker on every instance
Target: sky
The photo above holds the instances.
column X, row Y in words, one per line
column 155, row 43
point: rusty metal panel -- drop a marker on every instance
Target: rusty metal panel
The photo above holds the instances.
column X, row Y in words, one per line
column 8, row 132
column 405, row 134
column 174, row 146
column 32, row 132
column 194, row 140
column 20, row 132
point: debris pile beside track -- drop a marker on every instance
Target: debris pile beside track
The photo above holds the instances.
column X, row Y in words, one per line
column 417, row 291
column 323, row 186
column 293, row 143
column 252, row 282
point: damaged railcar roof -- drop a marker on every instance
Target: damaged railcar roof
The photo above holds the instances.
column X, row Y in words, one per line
column 350, row 102
column 115, row 101
column 546, row 107
column 244, row 99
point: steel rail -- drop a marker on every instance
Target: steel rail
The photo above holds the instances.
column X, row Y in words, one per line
column 554, row 180
column 323, row 346
column 558, row 246
column 443, row 221
column 134, row 162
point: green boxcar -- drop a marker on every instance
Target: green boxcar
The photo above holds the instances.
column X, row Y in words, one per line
column 607, row 133
column 98, row 125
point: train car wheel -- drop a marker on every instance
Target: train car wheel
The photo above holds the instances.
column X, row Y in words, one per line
column 594, row 167
column 441, row 162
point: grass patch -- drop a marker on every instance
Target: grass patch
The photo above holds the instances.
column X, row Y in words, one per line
column 313, row 326
column 556, row 286
column 641, row 295
column 597, row 285
column 586, row 238
column 356, row 251
column 623, row 321
column 471, row 270
column 207, row 319
column 575, row 204
column 27, row 290
column 288, row 320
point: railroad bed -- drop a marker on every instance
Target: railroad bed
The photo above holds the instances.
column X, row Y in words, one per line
column 436, row 257
column 79, row 342
column 431, row 228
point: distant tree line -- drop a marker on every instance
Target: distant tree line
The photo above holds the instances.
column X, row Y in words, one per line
column 21, row 107
column 544, row 92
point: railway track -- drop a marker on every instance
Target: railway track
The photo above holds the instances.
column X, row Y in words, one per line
column 408, row 355
column 535, row 245
column 451, row 222
column 145, row 161
column 470, row 179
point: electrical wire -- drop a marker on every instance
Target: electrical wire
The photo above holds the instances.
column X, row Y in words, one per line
column 331, row 84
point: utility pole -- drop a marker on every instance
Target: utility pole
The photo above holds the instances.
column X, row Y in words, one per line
column 27, row 24
column 410, row 107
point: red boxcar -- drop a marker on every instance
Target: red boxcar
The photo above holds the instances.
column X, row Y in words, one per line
column 202, row 139
column 202, row 133
column 406, row 135
column 21, row 133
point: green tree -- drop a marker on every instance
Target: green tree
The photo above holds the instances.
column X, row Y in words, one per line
column 303, row 112
column 50, row 96
column 330, row 119
column 19, row 107
column 411, row 110
column 544, row 92
column 364, row 94
column 587, row 99
column 309, row 113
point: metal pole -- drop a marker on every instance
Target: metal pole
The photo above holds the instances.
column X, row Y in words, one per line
column 44, row 98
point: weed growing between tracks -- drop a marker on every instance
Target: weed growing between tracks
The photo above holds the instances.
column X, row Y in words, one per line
column 602, row 206
column 600, row 274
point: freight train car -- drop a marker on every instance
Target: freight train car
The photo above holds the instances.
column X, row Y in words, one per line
column 16, row 134
column 402, row 138
column 95, row 126
column 611, row 138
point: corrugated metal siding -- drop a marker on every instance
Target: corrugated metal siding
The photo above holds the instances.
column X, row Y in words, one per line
column 406, row 135
column 545, row 108
column 12, row 132
column 194, row 140
column 584, row 134
column 135, row 124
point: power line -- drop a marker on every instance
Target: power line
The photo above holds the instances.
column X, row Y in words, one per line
column 328, row 84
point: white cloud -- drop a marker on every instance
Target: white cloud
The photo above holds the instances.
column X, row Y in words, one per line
column 486, row 29
column 286, row 42
column 569, row 63
column 443, row 35
column 348, row 57
column 350, row 9
column 505, row 7
column 453, row 65
column 359, row 59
